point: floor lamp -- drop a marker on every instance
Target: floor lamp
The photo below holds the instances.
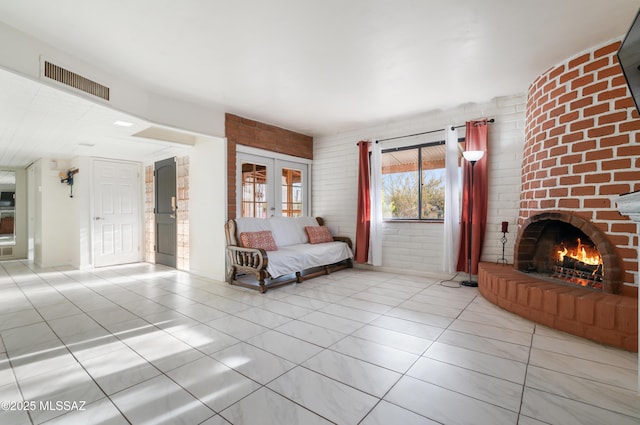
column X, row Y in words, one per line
column 472, row 157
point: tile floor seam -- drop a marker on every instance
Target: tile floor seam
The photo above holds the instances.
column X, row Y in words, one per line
column 526, row 373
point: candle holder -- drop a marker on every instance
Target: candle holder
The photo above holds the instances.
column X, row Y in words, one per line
column 503, row 239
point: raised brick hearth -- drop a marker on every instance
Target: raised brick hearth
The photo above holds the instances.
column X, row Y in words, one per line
column 606, row 318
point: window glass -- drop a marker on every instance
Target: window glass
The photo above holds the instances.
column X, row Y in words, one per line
column 291, row 192
column 413, row 182
column 400, row 184
column 432, row 180
column 254, row 186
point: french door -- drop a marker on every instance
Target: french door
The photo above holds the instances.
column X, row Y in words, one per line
column 268, row 187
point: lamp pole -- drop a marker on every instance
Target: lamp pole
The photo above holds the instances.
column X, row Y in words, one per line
column 472, row 157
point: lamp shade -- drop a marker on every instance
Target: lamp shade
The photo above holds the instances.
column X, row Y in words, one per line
column 473, row 156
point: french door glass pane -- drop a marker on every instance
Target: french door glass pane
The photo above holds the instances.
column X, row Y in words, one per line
column 254, row 187
column 291, row 192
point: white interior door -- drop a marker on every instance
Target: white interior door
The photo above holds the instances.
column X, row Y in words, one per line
column 116, row 213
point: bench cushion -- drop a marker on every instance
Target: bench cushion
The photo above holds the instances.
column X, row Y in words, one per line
column 294, row 258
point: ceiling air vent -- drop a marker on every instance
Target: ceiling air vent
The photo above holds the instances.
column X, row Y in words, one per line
column 76, row 81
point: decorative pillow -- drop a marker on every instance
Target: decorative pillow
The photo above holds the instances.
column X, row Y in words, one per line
column 263, row 239
column 318, row 234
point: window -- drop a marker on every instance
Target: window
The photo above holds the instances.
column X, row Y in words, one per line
column 413, row 182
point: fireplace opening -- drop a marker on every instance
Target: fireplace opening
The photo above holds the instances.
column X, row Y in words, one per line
column 565, row 253
column 568, row 249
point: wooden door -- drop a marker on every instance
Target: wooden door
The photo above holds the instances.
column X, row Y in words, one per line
column 165, row 212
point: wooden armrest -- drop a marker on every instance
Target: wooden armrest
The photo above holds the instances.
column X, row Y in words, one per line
column 344, row 239
column 248, row 258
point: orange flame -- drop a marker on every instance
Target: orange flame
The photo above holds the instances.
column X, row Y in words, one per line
column 586, row 254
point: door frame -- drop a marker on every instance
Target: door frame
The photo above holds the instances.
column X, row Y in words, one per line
column 278, row 160
column 139, row 201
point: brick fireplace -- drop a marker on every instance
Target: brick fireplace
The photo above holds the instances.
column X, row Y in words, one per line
column 582, row 150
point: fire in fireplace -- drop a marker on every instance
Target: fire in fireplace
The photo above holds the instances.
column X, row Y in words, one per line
column 578, row 263
column 565, row 253
column 563, row 247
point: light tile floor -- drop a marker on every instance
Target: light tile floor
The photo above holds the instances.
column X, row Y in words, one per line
column 145, row 344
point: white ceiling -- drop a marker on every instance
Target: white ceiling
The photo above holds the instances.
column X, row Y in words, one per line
column 311, row 66
column 38, row 121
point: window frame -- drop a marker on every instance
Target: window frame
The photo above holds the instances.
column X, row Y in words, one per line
column 419, row 147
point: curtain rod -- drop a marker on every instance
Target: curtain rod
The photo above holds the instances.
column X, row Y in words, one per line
column 463, row 125
column 428, row 132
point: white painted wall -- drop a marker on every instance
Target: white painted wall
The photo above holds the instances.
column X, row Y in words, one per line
column 80, row 250
column 20, row 249
column 417, row 248
column 55, row 216
column 208, row 207
column 34, row 231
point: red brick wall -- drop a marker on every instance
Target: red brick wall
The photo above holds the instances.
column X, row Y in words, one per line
column 243, row 131
column 582, row 147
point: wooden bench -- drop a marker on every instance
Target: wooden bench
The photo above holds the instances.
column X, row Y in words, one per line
column 250, row 267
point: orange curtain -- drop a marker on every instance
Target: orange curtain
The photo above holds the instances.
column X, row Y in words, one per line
column 364, row 205
column 475, row 140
